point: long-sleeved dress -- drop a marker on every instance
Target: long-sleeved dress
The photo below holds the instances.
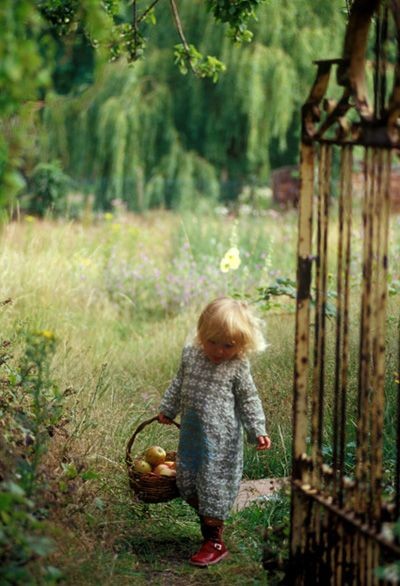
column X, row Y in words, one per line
column 214, row 401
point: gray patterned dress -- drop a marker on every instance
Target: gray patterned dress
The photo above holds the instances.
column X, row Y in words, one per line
column 214, row 401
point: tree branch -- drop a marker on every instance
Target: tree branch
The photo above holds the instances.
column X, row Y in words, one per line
column 178, row 25
column 134, row 19
column 146, row 12
column 181, row 34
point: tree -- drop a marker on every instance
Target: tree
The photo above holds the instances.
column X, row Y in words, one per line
column 127, row 133
column 34, row 30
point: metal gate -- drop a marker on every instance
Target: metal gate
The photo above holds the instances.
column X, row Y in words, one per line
column 345, row 494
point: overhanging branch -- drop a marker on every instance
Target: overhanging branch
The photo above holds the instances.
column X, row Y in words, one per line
column 181, row 34
column 146, row 12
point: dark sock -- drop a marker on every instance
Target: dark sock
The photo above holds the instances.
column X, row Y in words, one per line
column 211, row 529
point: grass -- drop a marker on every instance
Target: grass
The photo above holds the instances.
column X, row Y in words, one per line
column 152, row 543
column 116, row 356
column 119, row 337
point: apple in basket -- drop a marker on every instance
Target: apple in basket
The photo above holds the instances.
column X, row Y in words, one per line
column 141, row 466
column 155, row 455
column 170, row 464
column 164, row 470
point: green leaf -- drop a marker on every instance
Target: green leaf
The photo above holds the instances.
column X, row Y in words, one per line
column 70, row 470
column 63, row 486
column 6, row 501
column 42, row 546
column 99, row 504
column 14, row 489
column 53, row 573
column 90, row 475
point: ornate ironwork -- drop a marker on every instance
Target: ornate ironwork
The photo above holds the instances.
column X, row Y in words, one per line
column 341, row 524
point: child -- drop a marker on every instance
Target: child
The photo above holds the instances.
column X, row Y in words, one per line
column 215, row 394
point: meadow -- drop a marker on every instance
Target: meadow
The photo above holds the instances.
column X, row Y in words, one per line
column 117, row 295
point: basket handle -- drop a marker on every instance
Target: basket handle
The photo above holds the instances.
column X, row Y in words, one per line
column 128, row 458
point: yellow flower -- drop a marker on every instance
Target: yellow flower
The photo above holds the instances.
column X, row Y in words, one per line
column 224, row 265
column 233, row 256
column 86, row 262
column 231, row 260
column 108, row 216
column 30, row 219
column 116, row 227
column 46, row 334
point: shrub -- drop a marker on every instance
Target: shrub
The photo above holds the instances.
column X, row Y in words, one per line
column 48, row 187
column 30, row 406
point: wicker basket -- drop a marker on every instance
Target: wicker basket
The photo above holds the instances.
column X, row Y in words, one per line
column 150, row 488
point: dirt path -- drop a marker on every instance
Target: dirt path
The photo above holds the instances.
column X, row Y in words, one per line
column 257, row 490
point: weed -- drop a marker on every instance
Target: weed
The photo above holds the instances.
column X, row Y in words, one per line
column 31, row 407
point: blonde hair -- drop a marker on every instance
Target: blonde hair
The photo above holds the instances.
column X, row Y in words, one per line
column 230, row 320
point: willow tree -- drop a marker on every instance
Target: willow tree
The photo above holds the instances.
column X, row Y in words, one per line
column 251, row 117
column 151, row 136
column 121, row 138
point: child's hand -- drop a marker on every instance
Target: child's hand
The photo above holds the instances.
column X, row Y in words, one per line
column 164, row 419
column 263, row 442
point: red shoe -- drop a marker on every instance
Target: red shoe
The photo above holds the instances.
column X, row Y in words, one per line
column 211, row 552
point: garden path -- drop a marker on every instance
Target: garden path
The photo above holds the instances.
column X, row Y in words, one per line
column 257, row 490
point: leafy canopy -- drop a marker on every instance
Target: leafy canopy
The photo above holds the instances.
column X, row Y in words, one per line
column 152, row 137
column 33, row 31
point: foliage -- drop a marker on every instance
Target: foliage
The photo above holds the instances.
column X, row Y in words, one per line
column 231, row 133
column 23, row 68
column 137, row 156
column 393, row 286
column 390, row 572
column 48, row 187
column 237, row 14
column 20, row 538
column 22, row 71
column 286, row 287
column 40, row 47
column 184, row 283
column 122, row 29
column 27, row 58
column 166, row 140
column 30, row 406
column 190, row 58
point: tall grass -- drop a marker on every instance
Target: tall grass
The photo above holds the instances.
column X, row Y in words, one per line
column 120, row 341
column 58, row 276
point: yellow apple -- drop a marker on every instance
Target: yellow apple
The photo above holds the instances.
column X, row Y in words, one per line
column 141, row 466
column 164, row 470
column 155, row 455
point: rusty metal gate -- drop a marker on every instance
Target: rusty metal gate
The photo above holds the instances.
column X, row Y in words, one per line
column 345, row 495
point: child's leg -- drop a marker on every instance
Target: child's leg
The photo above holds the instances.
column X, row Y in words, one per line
column 213, row 549
column 211, row 528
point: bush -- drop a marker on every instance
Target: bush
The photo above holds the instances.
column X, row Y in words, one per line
column 48, row 187
column 30, row 407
